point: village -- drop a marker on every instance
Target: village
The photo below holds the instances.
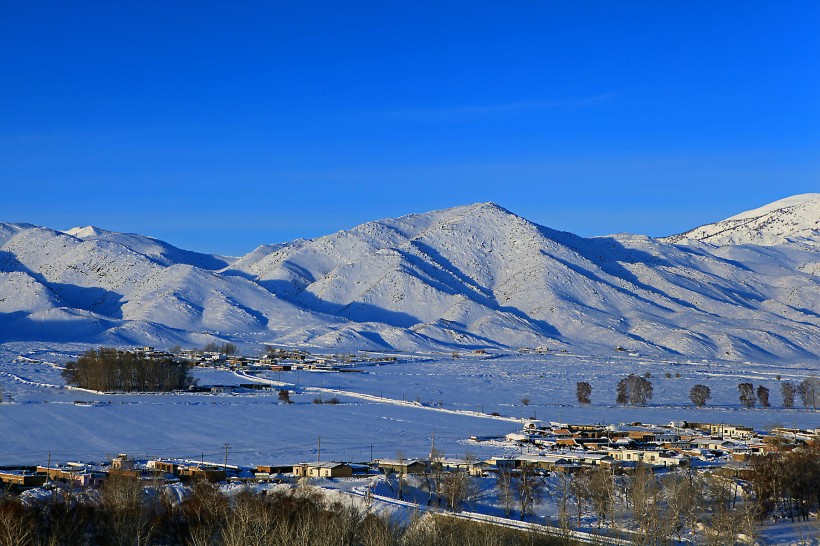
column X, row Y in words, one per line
column 508, row 469
column 544, row 448
column 555, row 453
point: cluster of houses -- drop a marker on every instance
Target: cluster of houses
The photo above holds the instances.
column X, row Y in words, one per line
column 555, row 447
column 277, row 360
column 569, row 447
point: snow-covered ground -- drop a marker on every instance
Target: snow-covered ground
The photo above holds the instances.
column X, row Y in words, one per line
column 394, row 407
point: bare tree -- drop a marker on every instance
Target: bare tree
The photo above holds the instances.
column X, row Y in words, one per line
column 436, row 458
column 504, row 484
column 454, row 489
column 763, row 396
column 787, row 391
column 807, row 389
column 747, row 394
column 108, row 369
column 601, row 492
column 583, row 391
column 472, row 492
column 580, row 489
column 633, row 390
column 699, row 395
column 128, row 513
column 646, row 496
column 16, row 524
column 529, row 488
column 682, row 498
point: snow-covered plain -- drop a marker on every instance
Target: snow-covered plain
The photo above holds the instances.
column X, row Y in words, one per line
column 394, row 407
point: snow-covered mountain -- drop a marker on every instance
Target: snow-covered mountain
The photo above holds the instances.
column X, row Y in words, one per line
column 470, row 276
column 795, row 219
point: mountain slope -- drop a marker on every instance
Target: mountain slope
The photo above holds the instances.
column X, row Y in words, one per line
column 795, row 219
column 466, row 277
column 155, row 249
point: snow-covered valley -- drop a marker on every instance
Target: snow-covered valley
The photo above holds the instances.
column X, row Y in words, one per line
column 389, row 408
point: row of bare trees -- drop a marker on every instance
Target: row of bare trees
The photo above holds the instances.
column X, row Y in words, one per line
column 787, row 484
column 127, row 512
column 636, row 391
column 107, row 369
column 657, row 509
column 724, row 506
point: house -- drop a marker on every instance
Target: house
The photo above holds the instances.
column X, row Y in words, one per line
column 224, row 389
column 166, row 467
column 533, row 425
column 402, row 466
column 74, row 474
column 480, row 468
column 22, row 478
column 322, row 470
column 274, row 469
column 122, row 462
column 208, row 473
column 736, row 432
column 451, row 465
column 545, row 462
column 503, row 464
column 636, row 455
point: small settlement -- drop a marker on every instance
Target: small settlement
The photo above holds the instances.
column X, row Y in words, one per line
column 540, row 448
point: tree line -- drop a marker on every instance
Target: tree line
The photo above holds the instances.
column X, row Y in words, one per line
column 127, row 512
column 108, row 369
column 786, row 484
column 717, row 507
column 635, row 390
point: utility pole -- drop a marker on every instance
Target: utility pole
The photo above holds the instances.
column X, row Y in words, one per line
column 227, row 447
column 48, row 468
column 371, row 453
column 319, row 450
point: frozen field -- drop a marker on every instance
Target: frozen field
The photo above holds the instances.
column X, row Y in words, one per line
column 393, row 407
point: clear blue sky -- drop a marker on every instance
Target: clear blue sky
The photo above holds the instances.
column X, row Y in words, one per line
column 219, row 126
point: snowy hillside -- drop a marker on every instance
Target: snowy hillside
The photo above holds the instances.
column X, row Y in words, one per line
column 795, row 219
column 467, row 277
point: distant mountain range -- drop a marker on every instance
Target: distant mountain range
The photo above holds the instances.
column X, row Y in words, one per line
column 468, row 277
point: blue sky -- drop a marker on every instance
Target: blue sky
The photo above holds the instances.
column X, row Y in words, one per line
column 219, row 126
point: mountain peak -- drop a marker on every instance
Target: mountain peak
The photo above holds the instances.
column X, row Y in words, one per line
column 792, row 219
column 85, row 232
column 788, row 202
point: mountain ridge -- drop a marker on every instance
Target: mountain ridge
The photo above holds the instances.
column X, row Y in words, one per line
column 793, row 219
column 473, row 276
